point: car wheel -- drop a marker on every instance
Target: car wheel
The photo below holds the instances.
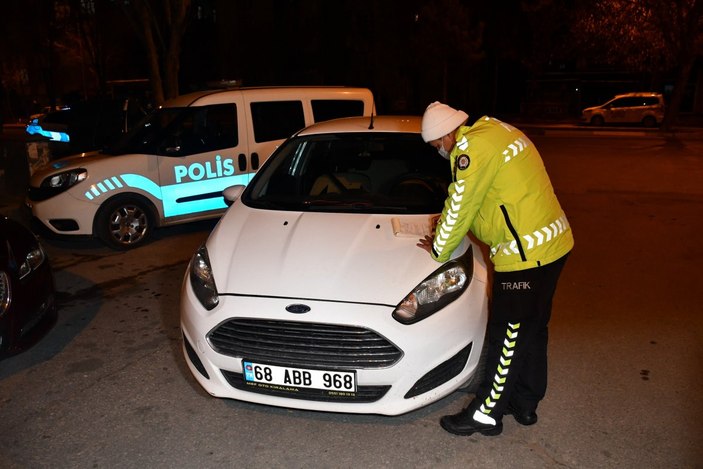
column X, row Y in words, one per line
column 649, row 121
column 597, row 120
column 472, row 385
column 124, row 222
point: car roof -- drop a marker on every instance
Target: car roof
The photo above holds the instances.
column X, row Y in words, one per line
column 274, row 92
column 375, row 124
column 637, row 94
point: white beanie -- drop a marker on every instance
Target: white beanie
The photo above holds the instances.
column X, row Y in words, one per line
column 439, row 120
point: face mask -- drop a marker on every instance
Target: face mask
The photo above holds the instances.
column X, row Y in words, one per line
column 443, row 153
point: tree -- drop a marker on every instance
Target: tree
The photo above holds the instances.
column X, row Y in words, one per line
column 28, row 55
column 82, row 40
column 649, row 35
column 449, row 39
column 161, row 25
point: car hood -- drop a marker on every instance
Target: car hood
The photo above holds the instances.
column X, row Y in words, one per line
column 340, row 257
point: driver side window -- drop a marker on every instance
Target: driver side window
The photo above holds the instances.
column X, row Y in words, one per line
column 202, row 129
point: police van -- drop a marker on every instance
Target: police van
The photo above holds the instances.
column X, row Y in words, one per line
column 173, row 167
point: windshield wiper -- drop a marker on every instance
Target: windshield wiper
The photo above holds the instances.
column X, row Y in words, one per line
column 352, row 206
column 268, row 204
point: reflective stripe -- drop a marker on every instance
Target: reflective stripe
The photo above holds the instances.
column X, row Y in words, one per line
column 179, row 199
column 483, row 418
column 514, row 149
column 536, row 238
column 463, row 144
column 507, row 127
column 103, row 187
column 445, row 229
column 511, row 335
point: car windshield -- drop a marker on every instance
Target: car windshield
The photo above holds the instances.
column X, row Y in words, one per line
column 147, row 136
column 352, row 173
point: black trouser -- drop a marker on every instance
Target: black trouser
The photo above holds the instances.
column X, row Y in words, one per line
column 516, row 366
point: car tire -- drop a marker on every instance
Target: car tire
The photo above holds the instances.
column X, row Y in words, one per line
column 124, row 222
column 471, row 386
column 649, row 121
column 597, row 120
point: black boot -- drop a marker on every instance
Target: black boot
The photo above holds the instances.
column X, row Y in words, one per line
column 521, row 417
column 463, row 423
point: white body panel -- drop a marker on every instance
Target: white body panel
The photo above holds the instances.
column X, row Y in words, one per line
column 180, row 188
column 263, row 261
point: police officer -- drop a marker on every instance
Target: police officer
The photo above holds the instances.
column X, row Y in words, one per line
column 501, row 192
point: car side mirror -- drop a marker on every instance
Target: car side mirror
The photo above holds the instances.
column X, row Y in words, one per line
column 232, row 193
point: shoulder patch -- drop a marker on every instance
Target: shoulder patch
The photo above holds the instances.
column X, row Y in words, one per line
column 463, row 162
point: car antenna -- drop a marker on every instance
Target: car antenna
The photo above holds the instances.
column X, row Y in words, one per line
column 373, row 107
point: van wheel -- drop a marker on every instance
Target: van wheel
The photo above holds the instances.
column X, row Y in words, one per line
column 597, row 120
column 649, row 121
column 124, row 222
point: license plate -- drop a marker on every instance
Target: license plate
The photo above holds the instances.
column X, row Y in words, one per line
column 299, row 377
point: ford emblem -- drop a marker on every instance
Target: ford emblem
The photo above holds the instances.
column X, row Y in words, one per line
column 298, row 309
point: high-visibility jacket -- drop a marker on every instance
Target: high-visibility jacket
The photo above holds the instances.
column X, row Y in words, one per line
column 501, row 193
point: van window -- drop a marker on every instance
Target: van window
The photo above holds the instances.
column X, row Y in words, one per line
column 326, row 109
column 623, row 102
column 276, row 120
column 182, row 131
column 220, row 127
column 201, row 129
column 634, row 102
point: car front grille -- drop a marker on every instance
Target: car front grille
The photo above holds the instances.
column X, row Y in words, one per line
column 308, row 345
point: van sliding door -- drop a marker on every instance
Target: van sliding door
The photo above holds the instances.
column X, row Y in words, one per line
column 269, row 124
column 198, row 159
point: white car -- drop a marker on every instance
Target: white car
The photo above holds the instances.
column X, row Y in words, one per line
column 311, row 292
column 631, row 108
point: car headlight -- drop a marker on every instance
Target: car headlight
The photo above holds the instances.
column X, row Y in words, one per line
column 64, row 180
column 201, row 279
column 5, row 296
column 34, row 259
column 445, row 285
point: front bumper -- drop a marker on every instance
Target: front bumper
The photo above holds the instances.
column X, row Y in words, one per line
column 63, row 214
column 434, row 356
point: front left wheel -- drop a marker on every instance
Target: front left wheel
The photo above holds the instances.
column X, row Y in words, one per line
column 649, row 121
column 124, row 222
column 597, row 120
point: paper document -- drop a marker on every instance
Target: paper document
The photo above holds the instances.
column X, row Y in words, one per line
column 414, row 227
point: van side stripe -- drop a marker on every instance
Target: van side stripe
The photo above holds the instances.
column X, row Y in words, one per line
column 178, row 199
column 143, row 183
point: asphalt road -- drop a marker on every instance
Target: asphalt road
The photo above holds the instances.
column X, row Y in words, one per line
column 108, row 387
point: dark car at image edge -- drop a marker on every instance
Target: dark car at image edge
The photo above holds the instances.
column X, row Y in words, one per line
column 27, row 298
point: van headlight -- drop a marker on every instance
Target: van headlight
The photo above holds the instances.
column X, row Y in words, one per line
column 202, row 280
column 444, row 286
column 60, row 182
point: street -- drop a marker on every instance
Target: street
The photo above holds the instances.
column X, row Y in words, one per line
column 109, row 387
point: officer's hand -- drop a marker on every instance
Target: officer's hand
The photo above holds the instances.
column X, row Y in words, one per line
column 425, row 243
